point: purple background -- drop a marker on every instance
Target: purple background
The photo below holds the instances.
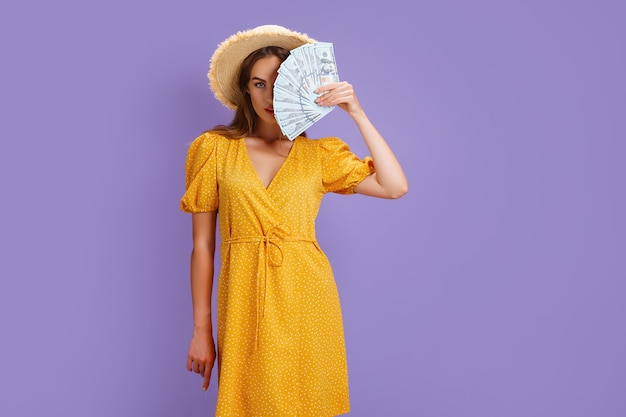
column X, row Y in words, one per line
column 496, row 287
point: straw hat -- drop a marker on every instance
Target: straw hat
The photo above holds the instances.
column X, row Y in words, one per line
column 224, row 69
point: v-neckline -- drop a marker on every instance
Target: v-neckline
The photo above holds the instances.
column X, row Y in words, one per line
column 254, row 171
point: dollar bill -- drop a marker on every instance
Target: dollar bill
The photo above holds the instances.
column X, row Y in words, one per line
column 325, row 63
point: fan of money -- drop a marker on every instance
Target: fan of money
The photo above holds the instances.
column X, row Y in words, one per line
column 305, row 69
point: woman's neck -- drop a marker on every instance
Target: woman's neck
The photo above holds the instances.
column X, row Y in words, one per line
column 268, row 132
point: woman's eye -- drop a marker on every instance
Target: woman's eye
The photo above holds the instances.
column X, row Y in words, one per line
column 259, row 85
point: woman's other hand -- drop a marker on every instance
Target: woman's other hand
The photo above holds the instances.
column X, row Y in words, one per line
column 201, row 356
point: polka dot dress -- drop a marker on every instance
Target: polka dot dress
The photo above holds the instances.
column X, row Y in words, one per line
column 280, row 340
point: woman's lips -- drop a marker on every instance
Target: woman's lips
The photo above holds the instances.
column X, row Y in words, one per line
column 270, row 110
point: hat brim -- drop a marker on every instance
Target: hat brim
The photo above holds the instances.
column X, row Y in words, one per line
column 227, row 58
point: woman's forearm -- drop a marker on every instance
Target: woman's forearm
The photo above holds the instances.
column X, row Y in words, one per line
column 202, row 286
column 389, row 173
column 202, row 266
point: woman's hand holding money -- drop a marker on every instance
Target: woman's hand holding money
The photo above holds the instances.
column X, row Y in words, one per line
column 339, row 94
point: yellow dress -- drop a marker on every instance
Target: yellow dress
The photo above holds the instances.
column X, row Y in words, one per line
column 280, row 339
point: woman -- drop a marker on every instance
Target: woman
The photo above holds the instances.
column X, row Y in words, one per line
column 280, row 333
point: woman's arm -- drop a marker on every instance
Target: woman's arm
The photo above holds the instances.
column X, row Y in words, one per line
column 389, row 180
column 201, row 356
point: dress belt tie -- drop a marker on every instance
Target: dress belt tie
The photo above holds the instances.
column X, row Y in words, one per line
column 272, row 237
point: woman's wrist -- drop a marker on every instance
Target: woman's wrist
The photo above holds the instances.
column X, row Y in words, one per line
column 204, row 326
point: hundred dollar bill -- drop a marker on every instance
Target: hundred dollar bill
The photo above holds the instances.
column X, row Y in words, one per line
column 325, row 63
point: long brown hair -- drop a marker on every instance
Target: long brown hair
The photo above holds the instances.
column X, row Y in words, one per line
column 245, row 119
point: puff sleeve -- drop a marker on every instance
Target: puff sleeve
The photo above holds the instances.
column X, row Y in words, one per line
column 201, row 193
column 342, row 170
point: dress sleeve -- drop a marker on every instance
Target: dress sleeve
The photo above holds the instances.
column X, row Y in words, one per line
column 342, row 170
column 201, row 179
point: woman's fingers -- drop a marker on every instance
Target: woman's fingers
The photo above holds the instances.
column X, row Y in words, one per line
column 334, row 93
column 207, row 379
column 329, row 90
column 203, row 369
column 338, row 94
column 201, row 357
column 196, row 365
column 328, row 87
